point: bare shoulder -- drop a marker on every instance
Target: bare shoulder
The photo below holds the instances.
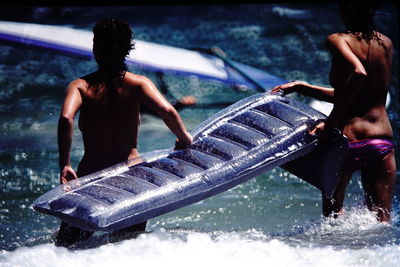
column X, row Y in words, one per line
column 78, row 84
column 384, row 38
column 335, row 40
column 334, row 37
column 137, row 81
column 386, row 41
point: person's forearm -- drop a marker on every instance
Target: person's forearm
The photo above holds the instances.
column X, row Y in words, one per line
column 318, row 92
column 65, row 132
column 175, row 123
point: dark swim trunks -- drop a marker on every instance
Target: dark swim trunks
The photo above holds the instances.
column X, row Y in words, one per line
column 365, row 151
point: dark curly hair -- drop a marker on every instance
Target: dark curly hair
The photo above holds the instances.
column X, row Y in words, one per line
column 358, row 18
column 112, row 42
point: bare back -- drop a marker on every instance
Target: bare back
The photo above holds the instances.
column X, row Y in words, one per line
column 366, row 117
column 109, row 131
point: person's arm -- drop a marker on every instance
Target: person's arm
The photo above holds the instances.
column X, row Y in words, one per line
column 318, row 92
column 153, row 99
column 72, row 103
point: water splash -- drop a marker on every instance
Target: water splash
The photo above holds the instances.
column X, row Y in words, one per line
column 180, row 248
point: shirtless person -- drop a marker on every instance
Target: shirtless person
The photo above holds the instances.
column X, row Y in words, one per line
column 360, row 75
column 109, row 101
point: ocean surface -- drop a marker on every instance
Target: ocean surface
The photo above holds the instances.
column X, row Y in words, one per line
column 271, row 220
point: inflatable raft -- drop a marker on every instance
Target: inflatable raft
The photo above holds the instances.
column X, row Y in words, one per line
column 238, row 143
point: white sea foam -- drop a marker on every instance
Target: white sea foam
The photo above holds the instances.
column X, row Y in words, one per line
column 182, row 248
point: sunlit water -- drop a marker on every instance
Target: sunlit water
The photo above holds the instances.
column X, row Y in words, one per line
column 274, row 219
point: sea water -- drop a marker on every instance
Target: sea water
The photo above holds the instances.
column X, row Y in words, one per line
column 273, row 220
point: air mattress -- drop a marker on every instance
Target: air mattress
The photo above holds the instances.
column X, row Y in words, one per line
column 238, row 143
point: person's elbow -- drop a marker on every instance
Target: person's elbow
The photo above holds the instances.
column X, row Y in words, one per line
column 66, row 119
column 359, row 74
column 167, row 111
